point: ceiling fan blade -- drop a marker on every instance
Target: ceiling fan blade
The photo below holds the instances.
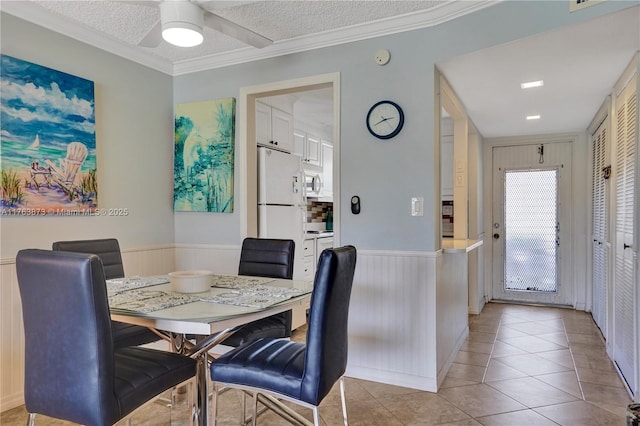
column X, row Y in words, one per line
column 236, row 31
column 153, row 37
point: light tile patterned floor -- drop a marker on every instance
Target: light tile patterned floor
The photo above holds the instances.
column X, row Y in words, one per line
column 522, row 365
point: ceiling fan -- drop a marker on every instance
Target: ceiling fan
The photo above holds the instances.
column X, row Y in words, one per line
column 182, row 23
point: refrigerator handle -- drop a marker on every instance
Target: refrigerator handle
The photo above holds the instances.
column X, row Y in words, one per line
column 295, row 184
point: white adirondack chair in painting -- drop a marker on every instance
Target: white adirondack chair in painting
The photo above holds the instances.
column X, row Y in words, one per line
column 76, row 154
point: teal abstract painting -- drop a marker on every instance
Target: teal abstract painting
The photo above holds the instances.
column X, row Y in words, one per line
column 47, row 141
column 204, row 156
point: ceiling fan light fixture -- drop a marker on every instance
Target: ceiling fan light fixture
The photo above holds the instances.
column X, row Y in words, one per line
column 182, row 23
column 182, row 36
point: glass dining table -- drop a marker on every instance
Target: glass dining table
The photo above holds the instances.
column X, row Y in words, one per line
column 212, row 316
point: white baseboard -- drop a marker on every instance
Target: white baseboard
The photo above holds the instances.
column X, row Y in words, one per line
column 393, row 378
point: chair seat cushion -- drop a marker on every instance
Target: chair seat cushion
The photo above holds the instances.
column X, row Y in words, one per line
column 140, row 372
column 131, row 335
column 266, row 327
column 272, row 364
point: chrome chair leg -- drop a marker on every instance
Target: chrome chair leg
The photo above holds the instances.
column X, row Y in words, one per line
column 31, row 421
column 344, row 402
column 214, row 405
column 316, row 417
column 243, row 406
column 255, row 409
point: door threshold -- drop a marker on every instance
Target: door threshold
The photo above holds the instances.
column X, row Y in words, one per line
column 518, row 302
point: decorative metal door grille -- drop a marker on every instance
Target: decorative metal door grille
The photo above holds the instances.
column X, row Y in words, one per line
column 531, row 230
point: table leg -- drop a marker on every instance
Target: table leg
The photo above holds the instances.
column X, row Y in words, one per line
column 203, row 389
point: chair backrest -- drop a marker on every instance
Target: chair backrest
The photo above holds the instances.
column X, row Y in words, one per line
column 107, row 249
column 267, row 257
column 69, row 362
column 326, row 351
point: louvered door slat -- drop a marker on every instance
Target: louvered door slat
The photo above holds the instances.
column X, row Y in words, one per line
column 624, row 296
column 599, row 226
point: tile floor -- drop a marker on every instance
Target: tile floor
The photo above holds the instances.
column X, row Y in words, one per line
column 522, row 365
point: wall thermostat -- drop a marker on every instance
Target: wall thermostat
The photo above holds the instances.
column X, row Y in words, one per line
column 382, row 57
column 355, row 204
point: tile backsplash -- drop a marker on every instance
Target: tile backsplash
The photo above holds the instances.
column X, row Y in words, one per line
column 317, row 211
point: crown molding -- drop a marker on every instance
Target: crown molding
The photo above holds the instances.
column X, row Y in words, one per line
column 445, row 12
column 35, row 14
column 393, row 25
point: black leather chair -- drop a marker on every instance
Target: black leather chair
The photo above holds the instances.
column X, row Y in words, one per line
column 108, row 250
column 298, row 372
column 264, row 257
column 72, row 370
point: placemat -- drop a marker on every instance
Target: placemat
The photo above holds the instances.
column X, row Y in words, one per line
column 145, row 301
column 118, row 285
column 224, row 281
column 257, row 296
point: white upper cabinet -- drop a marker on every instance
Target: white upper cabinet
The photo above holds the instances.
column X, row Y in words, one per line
column 327, row 170
column 274, row 128
column 313, row 150
column 446, row 167
column 308, row 147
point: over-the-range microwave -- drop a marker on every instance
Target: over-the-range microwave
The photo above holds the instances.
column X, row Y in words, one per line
column 312, row 184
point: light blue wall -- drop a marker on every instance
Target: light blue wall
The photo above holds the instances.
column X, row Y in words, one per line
column 384, row 174
column 134, row 137
column 134, row 116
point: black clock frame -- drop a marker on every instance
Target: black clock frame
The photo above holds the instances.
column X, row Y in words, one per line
column 400, row 124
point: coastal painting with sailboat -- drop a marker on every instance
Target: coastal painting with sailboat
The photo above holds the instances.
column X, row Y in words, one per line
column 47, row 141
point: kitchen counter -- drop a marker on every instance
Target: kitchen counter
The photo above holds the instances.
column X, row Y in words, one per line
column 318, row 234
column 450, row 245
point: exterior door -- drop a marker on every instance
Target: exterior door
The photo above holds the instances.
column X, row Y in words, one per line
column 532, row 223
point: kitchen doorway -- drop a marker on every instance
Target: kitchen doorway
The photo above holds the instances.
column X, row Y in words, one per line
column 247, row 160
column 531, row 223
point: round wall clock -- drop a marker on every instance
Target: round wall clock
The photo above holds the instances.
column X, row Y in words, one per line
column 385, row 119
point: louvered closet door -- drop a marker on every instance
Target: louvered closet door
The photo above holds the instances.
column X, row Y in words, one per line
column 600, row 215
column 624, row 293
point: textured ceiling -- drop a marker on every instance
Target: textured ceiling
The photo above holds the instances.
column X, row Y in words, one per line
column 119, row 26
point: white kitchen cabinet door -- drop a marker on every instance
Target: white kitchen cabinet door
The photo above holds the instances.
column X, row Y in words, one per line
column 314, row 154
column 446, row 167
column 282, row 130
column 327, row 170
column 322, row 244
column 274, row 128
column 263, row 124
column 299, row 142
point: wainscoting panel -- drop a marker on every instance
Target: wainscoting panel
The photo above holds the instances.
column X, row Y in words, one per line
column 155, row 260
column 11, row 338
column 392, row 319
column 223, row 260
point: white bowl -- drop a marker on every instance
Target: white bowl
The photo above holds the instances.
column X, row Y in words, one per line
column 190, row 281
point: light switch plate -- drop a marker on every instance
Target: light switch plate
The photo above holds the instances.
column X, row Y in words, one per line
column 417, row 204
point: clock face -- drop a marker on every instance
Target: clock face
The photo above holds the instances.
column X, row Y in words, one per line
column 385, row 119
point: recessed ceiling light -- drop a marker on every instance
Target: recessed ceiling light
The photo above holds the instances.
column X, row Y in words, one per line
column 530, row 84
column 533, row 117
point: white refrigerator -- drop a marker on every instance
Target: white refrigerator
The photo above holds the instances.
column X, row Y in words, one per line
column 281, row 204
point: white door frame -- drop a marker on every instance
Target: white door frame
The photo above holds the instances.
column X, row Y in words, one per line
column 246, row 157
column 580, row 216
column 523, row 158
